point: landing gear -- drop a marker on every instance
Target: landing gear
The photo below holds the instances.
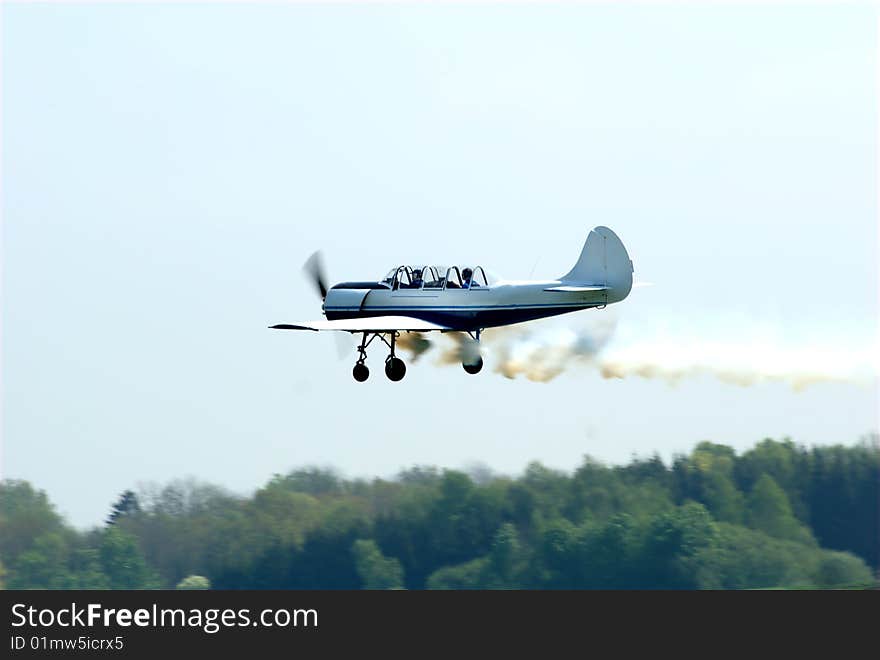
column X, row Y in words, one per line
column 472, row 361
column 474, row 367
column 395, row 369
column 360, row 372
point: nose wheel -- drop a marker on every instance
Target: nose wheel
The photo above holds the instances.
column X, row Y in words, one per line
column 360, row 372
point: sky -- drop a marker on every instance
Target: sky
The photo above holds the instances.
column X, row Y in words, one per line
column 168, row 168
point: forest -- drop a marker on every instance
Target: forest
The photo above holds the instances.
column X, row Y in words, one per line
column 779, row 515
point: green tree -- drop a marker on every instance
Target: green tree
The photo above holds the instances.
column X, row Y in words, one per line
column 635, row 526
column 842, row 569
column 770, row 512
column 314, row 481
column 607, row 554
column 44, row 565
column 747, row 559
column 123, row 563
column 558, row 554
column 462, row 519
column 126, row 505
column 86, row 570
column 672, row 553
column 25, row 515
column 326, row 560
column 188, row 527
column 468, row 575
column 193, row 583
column 788, row 464
column 375, row 569
column 505, row 555
column 713, row 465
column 845, row 479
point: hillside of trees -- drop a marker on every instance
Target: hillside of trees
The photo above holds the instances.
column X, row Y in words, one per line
column 780, row 515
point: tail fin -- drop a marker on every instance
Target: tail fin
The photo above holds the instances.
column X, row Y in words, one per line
column 603, row 261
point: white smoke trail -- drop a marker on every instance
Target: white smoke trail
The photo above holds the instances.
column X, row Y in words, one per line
column 746, row 354
column 742, row 363
column 541, row 355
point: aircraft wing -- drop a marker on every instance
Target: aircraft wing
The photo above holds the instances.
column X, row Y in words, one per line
column 368, row 324
column 577, row 289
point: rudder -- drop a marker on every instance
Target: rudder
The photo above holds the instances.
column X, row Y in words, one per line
column 603, row 261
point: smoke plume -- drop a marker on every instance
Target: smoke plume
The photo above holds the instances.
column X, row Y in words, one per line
column 741, row 362
column 414, row 343
column 745, row 357
column 541, row 355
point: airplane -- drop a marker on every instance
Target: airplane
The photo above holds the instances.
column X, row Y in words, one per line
column 421, row 300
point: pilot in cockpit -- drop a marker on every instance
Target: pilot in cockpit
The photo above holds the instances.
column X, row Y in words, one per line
column 467, row 280
column 417, row 279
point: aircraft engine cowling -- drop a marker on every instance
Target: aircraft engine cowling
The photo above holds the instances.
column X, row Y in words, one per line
column 344, row 300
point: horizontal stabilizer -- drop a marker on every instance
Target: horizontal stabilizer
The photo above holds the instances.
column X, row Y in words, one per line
column 368, row 324
column 577, row 289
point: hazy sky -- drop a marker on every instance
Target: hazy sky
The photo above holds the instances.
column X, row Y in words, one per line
column 166, row 170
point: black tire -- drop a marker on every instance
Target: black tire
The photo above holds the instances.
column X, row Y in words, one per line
column 360, row 372
column 395, row 369
column 474, row 368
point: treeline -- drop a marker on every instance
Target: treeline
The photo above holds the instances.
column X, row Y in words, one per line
column 779, row 515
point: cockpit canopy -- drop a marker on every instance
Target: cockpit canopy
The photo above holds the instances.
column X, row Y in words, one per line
column 428, row 277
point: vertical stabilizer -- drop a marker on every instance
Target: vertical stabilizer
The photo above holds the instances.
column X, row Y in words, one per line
column 603, row 262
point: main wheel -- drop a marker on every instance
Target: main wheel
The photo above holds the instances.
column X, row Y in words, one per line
column 360, row 372
column 475, row 367
column 395, row 369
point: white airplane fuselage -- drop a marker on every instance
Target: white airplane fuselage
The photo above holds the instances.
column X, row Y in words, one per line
column 501, row 303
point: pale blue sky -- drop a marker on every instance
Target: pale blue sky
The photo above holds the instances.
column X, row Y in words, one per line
column 166, row 170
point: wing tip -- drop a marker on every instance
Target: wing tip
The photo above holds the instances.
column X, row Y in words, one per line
column 288, row 326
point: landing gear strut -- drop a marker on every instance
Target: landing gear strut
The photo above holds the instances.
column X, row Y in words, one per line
column 395, row 369
column 361, row 372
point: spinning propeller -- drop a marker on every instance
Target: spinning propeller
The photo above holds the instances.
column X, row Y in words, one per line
column 314, row 269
